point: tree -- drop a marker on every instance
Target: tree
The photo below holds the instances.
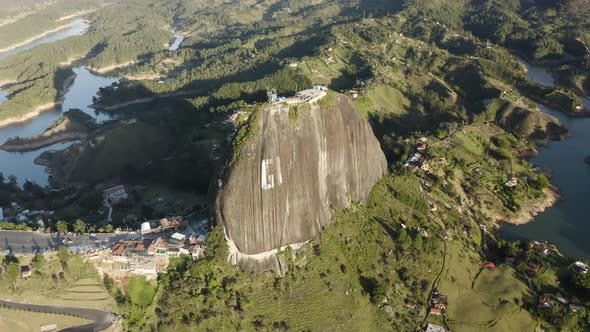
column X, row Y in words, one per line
column 41, row 225
column 403, row 239
column 63, row 254
column 108, row 228
column 79, row 226
column 352, row 70
column 38, row 262
column 541, row 182
column 582, row 280
column 418, row 242
column 8, row 259
column 11, row 274
column 547, row 47
column 62, row 226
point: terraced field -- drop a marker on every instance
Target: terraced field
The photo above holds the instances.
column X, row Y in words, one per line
column 86, row 292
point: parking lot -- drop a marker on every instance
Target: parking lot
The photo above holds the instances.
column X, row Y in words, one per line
column 28, row 243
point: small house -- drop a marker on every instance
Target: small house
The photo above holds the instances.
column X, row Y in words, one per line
column 435, row 328
column 410, row 304
column 580, row 267
column 490, row 265
column 509, row 261
column 115, row 195
column 25, row 271
column 544, row 301
column 435, row 311
column 512, row 182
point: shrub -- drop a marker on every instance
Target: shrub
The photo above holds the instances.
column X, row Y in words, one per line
column 139, row 292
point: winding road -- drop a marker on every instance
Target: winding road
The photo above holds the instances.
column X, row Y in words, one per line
column 101, row 319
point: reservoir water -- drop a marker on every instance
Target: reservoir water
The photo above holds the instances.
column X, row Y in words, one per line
column 178, row 39
column 77, row 27
column 565, row 223
column 79, row 96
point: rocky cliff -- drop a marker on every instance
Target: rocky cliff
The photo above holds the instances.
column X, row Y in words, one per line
column 297, row 164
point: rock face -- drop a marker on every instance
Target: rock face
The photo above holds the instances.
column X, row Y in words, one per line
column 298, row 164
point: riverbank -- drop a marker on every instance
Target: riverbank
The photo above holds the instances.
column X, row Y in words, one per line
column 39, row 142
column 107, row 69
column 74, row 125
column 34, row 38
column 28, row 116
column 41, row 108
column 76, row 15
column 529, row 212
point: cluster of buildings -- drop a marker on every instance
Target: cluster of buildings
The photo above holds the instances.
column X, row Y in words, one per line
column 418, row 159
column 17, row 214
column 306, row 96
column 438, row 303
column 149, row 255
column 550, row 300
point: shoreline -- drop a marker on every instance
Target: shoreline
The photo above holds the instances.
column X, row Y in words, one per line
column 29, row 115
column 526, row 215
column 76, row 15
column 34, row 38
column 41, row 108
column 111, row 67
column 44, row 142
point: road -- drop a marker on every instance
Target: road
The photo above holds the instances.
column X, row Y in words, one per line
column 101, row 320
column 27, row 243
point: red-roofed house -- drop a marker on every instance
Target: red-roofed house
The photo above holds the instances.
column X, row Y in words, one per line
column 115, row 195
column 435, row 311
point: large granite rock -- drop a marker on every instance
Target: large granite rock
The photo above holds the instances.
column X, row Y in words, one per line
column 280, row 189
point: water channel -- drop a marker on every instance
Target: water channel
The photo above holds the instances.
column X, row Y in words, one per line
column 77, row 27
column 178, row 39
column 79, row 96
column 565, row 223
column 21, row 164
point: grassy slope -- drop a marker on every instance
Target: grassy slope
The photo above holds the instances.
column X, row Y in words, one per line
column 492, row 304
column 382, row 99
column 14, row 320
column 324, row 288
column 81, row 287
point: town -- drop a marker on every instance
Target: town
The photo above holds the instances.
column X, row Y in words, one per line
column 120, row 252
